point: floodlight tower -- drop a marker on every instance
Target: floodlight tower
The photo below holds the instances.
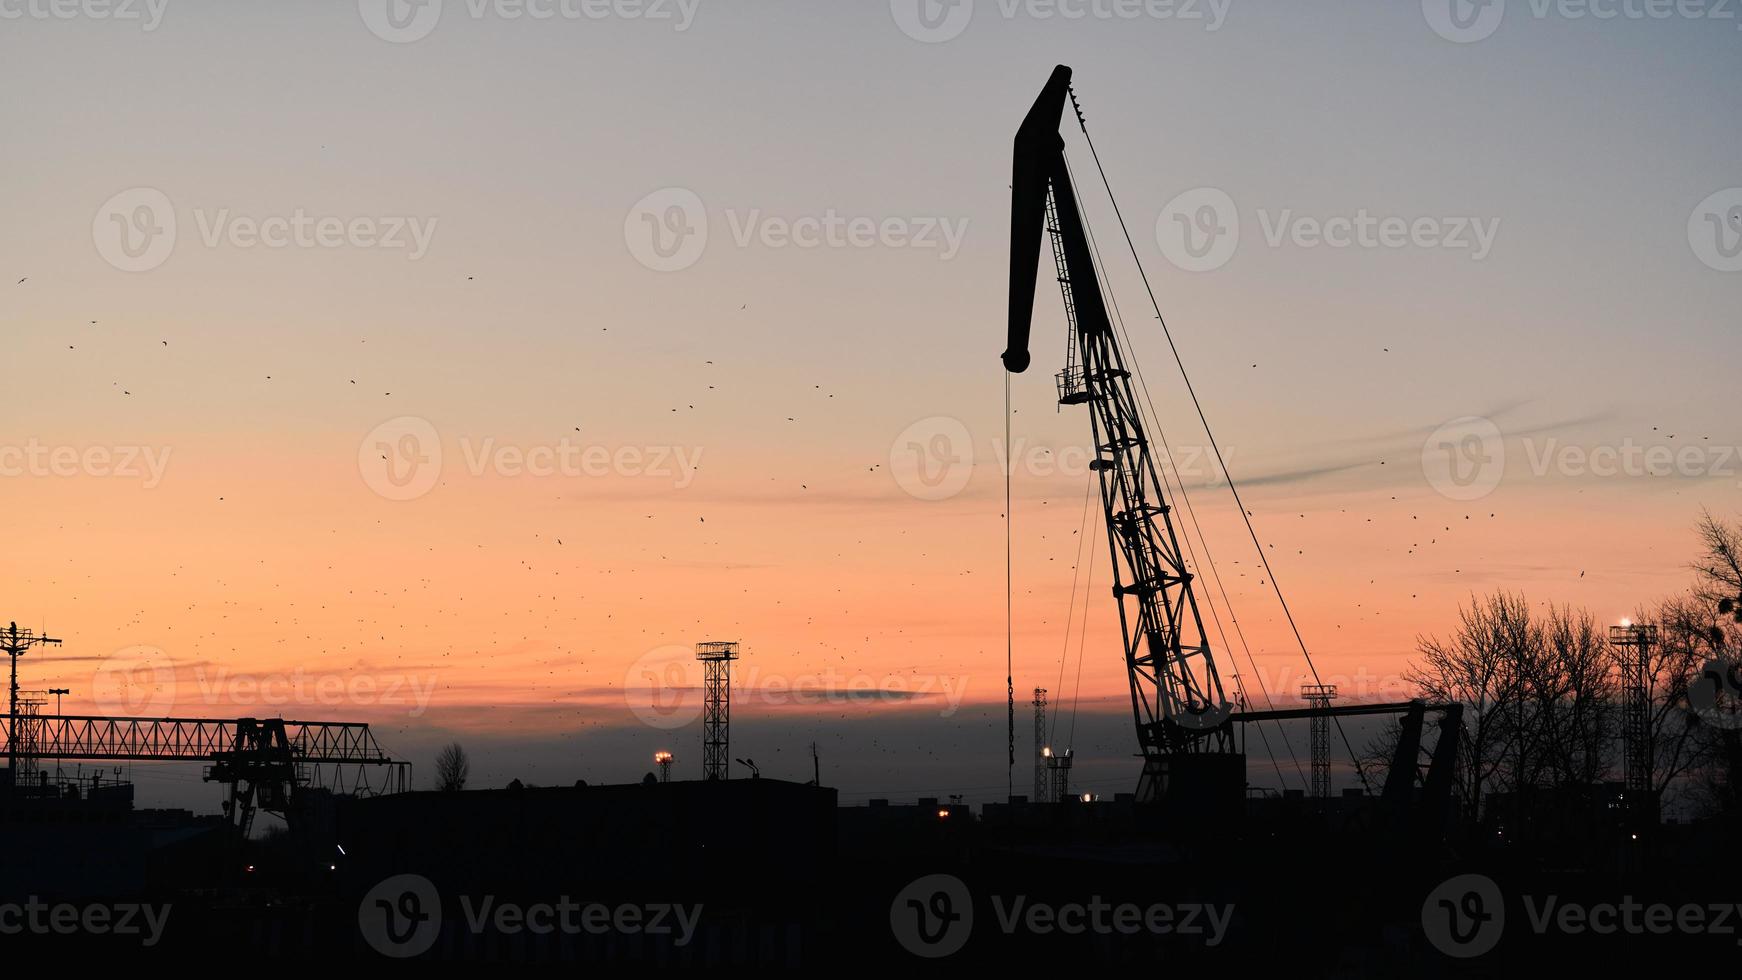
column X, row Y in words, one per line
column 716, row 657
column 1633, row 641
column 663, row 760
column 1040, row 750
column 15, row 642
column 1319, row 697
column 1060, row 766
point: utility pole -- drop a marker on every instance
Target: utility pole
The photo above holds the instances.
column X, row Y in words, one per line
column 15, row 642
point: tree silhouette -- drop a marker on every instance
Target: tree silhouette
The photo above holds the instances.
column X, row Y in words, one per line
column 453, row 768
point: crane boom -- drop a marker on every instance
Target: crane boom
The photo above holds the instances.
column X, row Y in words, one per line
column 1177, row 698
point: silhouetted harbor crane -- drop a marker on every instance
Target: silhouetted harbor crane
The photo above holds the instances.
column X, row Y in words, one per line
column 1184, row 720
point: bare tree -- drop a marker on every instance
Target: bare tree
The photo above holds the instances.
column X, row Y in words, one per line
column 453, row 768
column 1716, row 786
column 1574, row 691
column 1478, row 667
column 1675, row 743
column 1720, row 568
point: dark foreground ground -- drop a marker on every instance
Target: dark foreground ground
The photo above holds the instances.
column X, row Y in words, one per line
column 767, row 873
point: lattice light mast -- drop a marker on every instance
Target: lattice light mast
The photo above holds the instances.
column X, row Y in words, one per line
column 716, row 657
column 1040, row 748
column 1058, row 764
column 663, row 760
column 1319, row 697
column 1633, row 641
column 15, row 642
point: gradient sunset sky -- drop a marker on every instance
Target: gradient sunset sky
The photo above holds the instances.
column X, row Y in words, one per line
column 771, row 397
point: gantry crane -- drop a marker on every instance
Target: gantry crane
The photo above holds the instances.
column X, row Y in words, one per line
column 1177, row 699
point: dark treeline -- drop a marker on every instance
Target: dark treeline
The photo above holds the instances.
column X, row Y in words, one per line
column 1541, row 687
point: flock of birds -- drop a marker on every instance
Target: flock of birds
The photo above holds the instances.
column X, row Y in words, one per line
column 515, row 631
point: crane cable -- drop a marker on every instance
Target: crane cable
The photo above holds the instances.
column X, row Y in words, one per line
column 1071, row 612
column 1009, row 608
column 1210, row 436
